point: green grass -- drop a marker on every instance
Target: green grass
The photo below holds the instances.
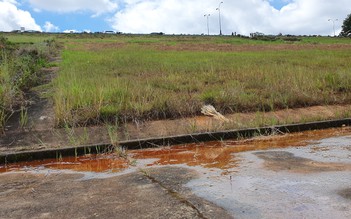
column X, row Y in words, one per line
column 21, row 59
column 28, row 38
column 132, row 77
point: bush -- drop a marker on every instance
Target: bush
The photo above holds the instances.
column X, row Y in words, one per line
column 291, row 39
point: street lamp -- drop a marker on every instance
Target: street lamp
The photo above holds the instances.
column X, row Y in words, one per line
column 208, row 27
column 333, row 24
column 219, row 13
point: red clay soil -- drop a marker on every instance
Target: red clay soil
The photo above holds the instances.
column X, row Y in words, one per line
column 246, row 47
column 223, row 47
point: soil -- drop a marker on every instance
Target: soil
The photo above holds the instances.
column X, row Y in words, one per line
column 243, row 48
column 221, row 47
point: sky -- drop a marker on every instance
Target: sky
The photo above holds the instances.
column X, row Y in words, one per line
column 297, row 17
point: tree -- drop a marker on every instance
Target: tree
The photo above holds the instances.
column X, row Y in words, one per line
column 346, row 27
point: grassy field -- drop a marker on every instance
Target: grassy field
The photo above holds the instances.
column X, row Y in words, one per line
column 148, row 77
column 123, row 77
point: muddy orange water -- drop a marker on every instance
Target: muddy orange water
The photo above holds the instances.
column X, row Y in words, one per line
column 218, row 154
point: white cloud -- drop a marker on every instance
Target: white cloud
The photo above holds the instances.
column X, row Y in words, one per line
column 63, row 6
column 12, row 18
column 244, row 17
column 14, row 2
column 70, row 31
column 302, row 16
column 169, row 16
column 49, row 27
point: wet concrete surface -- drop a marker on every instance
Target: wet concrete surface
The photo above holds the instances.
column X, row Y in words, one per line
column 301, row 175
column 71, row 195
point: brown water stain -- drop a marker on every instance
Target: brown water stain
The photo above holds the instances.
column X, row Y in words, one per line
column 286, row 161
column 91, row 162
column 346, row 193
column 219, row 154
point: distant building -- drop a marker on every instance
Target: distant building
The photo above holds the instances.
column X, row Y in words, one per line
column 156, row 33
column 32, row 31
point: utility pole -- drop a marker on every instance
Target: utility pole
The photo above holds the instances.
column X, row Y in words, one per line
column 219, row 14
column 333, row 20
column 208, row 26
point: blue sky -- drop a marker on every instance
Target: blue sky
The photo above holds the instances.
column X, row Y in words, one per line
column 73, row 21
column 176, row 16
column 278, row 4
column 80, row 20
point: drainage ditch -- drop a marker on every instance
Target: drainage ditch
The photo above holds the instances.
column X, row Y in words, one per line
column 59, row 154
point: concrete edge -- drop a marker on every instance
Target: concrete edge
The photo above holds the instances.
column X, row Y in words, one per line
column 170, row 140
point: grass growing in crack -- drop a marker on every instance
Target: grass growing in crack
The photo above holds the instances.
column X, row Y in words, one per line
column 114, row 141
column 74, row 138
column 3, row 118
column 192, row 126
column 122, row 152
column 59, row 156
column 23, row 117
column 113, row 134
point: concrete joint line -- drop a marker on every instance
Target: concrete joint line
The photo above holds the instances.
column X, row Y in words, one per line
column 174, row 194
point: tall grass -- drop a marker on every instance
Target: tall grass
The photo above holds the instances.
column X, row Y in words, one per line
column 7, row 90
column 20, row 71
column 137, row 79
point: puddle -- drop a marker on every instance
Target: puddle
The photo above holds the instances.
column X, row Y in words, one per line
column 222, row 155
column 219, row 154
column 91, row 163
